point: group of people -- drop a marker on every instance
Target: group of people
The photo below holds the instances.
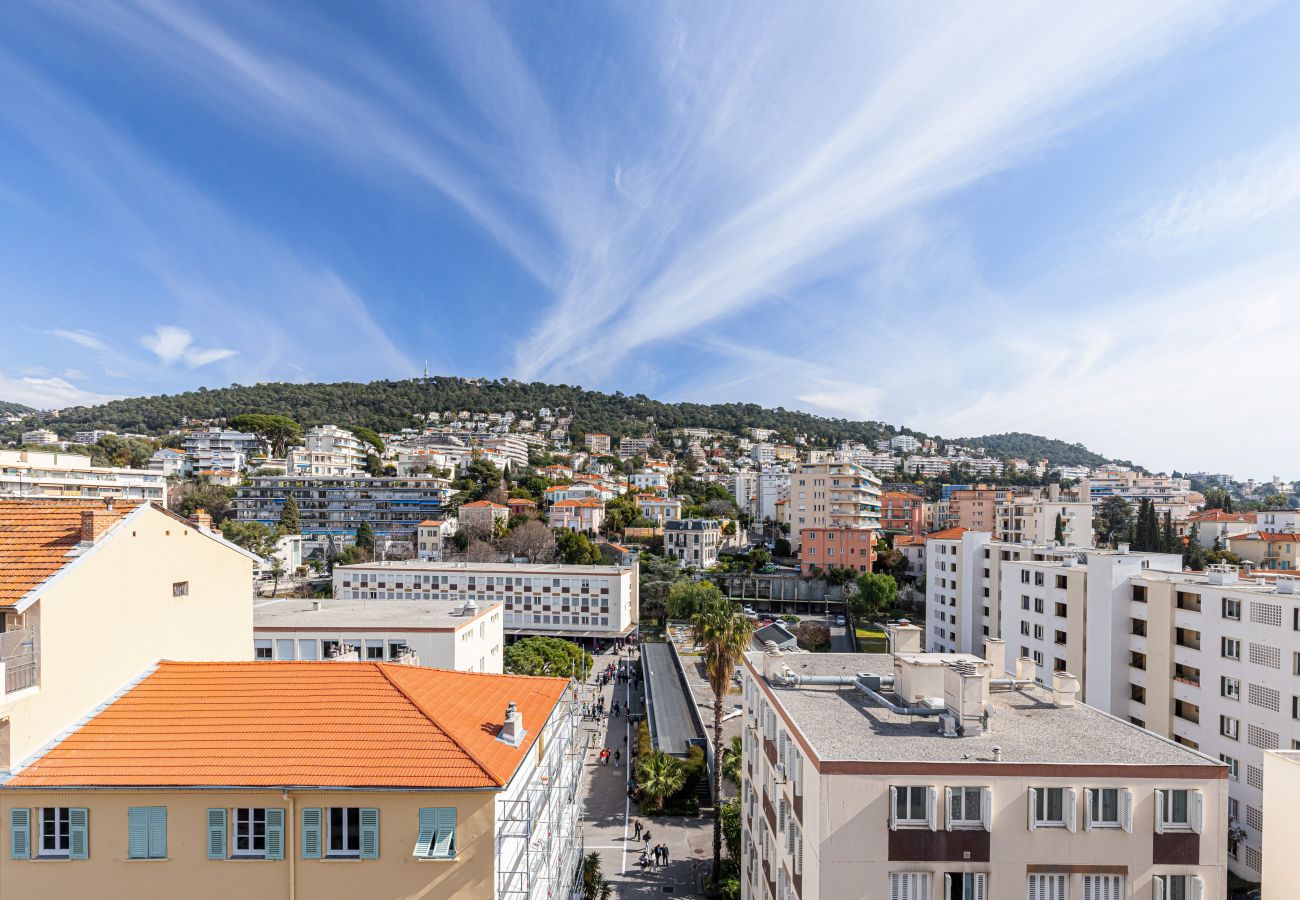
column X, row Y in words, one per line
column 605, row 756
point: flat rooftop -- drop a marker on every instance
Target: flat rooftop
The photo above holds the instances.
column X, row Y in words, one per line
column 842, row 723
column 425, row 565
column 299, row 613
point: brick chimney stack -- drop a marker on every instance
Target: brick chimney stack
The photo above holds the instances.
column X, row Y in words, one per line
column 202, row 520
column 94, row 522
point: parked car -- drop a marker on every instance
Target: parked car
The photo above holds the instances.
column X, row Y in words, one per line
column 749, row 611
column 839, row 620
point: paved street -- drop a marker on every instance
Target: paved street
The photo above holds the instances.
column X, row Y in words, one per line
column 608, row 815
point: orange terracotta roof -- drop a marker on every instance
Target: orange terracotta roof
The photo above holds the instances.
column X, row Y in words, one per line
column 1266, row 536
column 586, row 503
column 340, row 724
column 947, row 534
column 1218, row 515
column 520, row 501
column 908, row 540
column 36, row 535
column 429, row 523
column 483, row 504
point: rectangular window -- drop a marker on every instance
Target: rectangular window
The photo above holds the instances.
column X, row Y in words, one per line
column 263, row 649
column 180, row 588
column 911, row 805
column 1038, row 604
column 965, row 886
column 1230, row 648
column 1179, row 887
column 437, row 837
column 54, row 824
column 910, row 886
column 1103, row 887
column 250, row 832
column 966, row 807
column 146, row 832
column 1231, row 609
column 1049, row 807
column 344, row 837
column 1175, row 809
column 1234, row 767
column 1103, row 808
column 1047, row 887
column 1230, row 687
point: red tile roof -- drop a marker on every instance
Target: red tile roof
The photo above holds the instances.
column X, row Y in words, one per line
column 483, row 504
column 1266, row 536
column 341, row 724
column 948, row 534
column 36, row 535
column 586, row 503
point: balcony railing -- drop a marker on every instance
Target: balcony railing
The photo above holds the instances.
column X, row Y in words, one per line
column 18, row 659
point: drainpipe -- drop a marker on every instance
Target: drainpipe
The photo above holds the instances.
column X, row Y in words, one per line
column 895, row 708
column 290, row 850
column 1010, row 682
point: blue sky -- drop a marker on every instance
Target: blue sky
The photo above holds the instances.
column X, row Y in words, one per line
column 1077, row 220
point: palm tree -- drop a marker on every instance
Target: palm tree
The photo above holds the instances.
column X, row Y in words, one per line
column 731, row 760
column 724, row 634
column 660, row 776
column 594, row 884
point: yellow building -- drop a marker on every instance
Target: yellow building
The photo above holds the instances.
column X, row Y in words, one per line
column 309, row 780
column 92, row 592
column 1274, row 551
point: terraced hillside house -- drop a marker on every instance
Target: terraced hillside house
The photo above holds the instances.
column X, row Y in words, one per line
column 91, row 593
column 925, row 776
column 304, row 779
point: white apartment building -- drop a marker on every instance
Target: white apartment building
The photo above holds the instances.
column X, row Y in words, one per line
column 630, row 447
column 693, row 542
column 90, row 437
column 773, row 488
column 744, row 487
column 1033, row 520
column 643, row 481
column 169, row 462
column 918, row 776
column 566, row 601
column 467, row 638
column 219, row 450
column 1172, row 495
column 328, row 451
column 40, row 436
column 904, row 443
column 32, row 473
column 763, row 453
column 832, row 495
column 1209, row 660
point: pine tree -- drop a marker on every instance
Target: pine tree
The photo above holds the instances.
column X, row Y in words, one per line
column 1168, row 537
column 366, row 537
column 1060, row 530
column 290, row 523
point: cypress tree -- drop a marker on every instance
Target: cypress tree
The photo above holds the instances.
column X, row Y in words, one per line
column 1060, row 530
column 366, row 537
column 1168, row 539
column 290, row 523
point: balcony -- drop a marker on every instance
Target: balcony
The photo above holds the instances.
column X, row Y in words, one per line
column 1187, row 675
column 1188, row 712
column 1187, row 638
column 18, row 659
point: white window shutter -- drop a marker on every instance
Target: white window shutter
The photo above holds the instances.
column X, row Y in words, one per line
column 1033, row 803
column 896, row 886
column 1198, row 887
column 1158, row 883
column 893, row 805
column 1068, row 804
column 780, row 815
column 986, row 808
column 947, row 880
column 1126, row 809
column 932, row 808
column 1195, row 810
column 1160, row 818
column 981, row 888
column 947, row 805
column 1087, row 821
column 798, row 856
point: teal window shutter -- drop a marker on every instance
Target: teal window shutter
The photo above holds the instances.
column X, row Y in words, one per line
column 137, row 832
column 78, row 833
column 274, row 833
column 444, row 845
column 311, row 837
column 370, row 834
column 157, row 832
column 20, row 833
column 217, row 843
column 428, row 827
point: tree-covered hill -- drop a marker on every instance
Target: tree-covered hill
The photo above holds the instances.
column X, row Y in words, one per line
column 16, row 408
column 388, row 406
column 1018, row 444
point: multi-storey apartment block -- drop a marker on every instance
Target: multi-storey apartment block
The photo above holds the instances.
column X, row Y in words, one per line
column 328, row 451
column 939, row 777
column 571, row 601
column 598, row 444
column 1033, row 520
column 838, row 494
column 332, row 509
column 1172, row 495
column 975, row 509
column 901, row 512
column 31, row 473
column 92, row 592
column 693, row 542
column 220, row 450
column 837, row 548
column 305, row 779
column 467, row 638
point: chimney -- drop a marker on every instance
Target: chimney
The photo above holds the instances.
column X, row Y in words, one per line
column 1121, row 548
column 773, row 663
column 1065, row 688
column 202, row 520
column 512, row 730
column 995, row 653
column 964, row 687
column 997, row 754
column 315, row 606
column 904, row 637
column 94, row 522
column 1053, row 492
column 1025, row 668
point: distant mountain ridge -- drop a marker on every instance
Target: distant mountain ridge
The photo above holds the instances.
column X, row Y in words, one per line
column 392, row 405
column 16, row 408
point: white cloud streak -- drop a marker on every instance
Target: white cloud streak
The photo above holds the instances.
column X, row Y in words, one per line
column 172, row 344
column 47, row 393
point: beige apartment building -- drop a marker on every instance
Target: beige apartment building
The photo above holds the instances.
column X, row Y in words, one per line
column 917, row 776
column 1032, row 520
column 301, row 780
column 1281, row 830
column 976, row 509
column 92, row 593
column 832, row 494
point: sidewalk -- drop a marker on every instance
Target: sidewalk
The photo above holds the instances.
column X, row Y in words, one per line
column 608, row 814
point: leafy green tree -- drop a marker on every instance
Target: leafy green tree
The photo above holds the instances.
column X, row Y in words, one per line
column 188, row 496
column 731, row 759
column 687, row 598
column 124, row 452
column 365, row 537
column 576, row 549
column 277, row 572
column 370, row 436
column 290, row 521
column 1112, row 520
column 875, row 594
column 659, row 776
column 542, row 655
column 724, row 635
column 781, row 548
column 759, row 558
column 278, row 431
column 595, row 886
column 480, row 478
column 728, row 887
column 254, row 537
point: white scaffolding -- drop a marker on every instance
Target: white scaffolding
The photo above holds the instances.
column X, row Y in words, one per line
column 539, row 838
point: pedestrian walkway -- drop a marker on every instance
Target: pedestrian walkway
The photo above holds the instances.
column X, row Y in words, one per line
column 608, row 813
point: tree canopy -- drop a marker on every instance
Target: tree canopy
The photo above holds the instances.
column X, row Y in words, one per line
column 542, row 655
column 278, row 431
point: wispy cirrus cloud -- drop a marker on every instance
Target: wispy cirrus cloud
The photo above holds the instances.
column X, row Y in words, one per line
column 48, row 393
column 82, row 338
column 172, row 344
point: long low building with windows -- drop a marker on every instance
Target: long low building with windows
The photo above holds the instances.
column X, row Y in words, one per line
column 595, row 602
column 468, row 638
column 919, row 776
column 304, row 779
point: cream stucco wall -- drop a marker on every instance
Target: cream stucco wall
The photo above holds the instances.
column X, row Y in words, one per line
column 187, row 872
column 110, row 616
column 1281, row 826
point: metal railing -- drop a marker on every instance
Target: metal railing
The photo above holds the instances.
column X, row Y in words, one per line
column 18, row 659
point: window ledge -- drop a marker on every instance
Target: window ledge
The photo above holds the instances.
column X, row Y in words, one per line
column 435, row 859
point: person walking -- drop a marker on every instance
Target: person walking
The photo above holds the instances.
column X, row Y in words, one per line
column 636, row 828
column 646, row 836
column 643, row 862
column 663, row 853
column 617, row 753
